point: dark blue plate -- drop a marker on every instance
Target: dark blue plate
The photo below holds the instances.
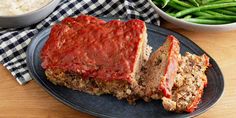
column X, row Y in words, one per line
column 107, row 105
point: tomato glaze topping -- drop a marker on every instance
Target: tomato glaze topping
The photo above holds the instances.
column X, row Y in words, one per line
column 94, row 48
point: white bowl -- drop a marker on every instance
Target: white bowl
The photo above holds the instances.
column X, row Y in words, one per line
column 28, row 18
column 192, row 26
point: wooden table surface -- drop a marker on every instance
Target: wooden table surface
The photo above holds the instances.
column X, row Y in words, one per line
column 31, row 100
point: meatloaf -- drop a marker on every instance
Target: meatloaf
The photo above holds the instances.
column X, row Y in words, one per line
column 97, row 57
column 158, row 73
column 189, row 84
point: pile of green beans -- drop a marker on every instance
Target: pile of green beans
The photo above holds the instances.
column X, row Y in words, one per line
column 200, row 11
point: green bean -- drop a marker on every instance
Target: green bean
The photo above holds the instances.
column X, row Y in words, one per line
column 222, row 1
column 207, row 1
column 233, row 9
column 201, row 14
column 165, row 3
column 225, row 12
column 188, row 16
column 194, row 2
column 176, row 6
column 206, row 21
column 204, row 7
column 171, row 14
column 214, row 13
column 199, row 2
column 182, row 3
column 231, row 18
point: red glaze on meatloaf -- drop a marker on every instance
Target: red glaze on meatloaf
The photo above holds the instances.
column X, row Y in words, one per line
column 94, row 48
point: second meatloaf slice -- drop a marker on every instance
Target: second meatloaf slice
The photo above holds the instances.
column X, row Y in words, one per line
column 94, row 56
column 158, row 74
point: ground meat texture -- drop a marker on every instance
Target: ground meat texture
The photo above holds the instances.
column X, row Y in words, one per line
column 160, row 70
column 118, row 88
column 189, row 84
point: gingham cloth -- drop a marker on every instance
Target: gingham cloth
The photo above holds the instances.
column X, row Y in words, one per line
column 14, row 42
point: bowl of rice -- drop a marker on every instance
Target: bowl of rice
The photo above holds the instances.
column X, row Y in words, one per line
column 21, row 13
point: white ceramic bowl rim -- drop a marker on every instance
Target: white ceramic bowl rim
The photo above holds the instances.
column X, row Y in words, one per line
column 29, row 13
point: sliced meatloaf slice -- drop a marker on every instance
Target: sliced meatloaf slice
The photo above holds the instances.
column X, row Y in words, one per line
column 159, row 72
column 94, row 56
column 189, row 84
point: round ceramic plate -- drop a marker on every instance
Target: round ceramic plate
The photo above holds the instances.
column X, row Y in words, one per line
column 107, row 105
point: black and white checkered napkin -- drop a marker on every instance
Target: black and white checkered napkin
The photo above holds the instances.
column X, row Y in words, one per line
column 13, row 42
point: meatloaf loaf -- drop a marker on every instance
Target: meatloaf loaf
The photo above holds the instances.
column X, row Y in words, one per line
column 189, row 84
column 97, row 57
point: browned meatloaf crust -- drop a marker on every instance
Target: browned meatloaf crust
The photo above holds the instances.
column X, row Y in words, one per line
column 111, row 57
column 118, row 88
column 189, row 84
